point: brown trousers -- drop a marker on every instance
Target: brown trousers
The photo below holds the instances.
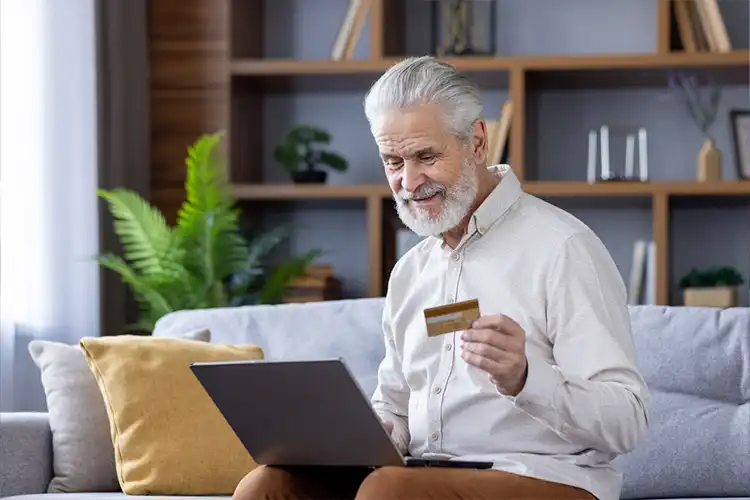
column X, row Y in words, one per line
column 397, row 483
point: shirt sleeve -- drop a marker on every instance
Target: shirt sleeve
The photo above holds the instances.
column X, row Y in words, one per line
column 391, row 397
column 593, row 394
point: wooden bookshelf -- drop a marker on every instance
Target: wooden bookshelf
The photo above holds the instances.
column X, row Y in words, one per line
column 250, row 77
column 293, row 67
column 256, row 192
column 723, row 188
column 597, row 71
column 303, row 192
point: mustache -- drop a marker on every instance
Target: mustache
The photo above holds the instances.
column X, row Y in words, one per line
column 424, row 191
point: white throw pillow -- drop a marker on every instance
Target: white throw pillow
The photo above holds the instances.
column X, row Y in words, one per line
column 83, row 455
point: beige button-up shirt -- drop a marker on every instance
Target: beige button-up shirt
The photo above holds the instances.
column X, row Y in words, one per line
column 584, row 401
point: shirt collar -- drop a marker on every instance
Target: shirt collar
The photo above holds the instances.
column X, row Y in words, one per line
column 505, row 194
column 499, row 200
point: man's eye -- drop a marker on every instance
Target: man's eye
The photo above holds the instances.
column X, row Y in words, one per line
column 427, row 157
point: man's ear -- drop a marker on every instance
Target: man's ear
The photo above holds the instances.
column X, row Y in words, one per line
column 480, row 141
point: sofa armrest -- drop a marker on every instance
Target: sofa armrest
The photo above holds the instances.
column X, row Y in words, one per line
column 25, row 453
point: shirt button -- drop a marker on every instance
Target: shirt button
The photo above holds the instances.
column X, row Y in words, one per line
column 448, row 347
column 451, row 299
column 435, row 436
column 437, row 390
column 455, row 257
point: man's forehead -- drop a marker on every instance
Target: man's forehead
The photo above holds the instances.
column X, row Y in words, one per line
column 407, row 149
column 422, row 119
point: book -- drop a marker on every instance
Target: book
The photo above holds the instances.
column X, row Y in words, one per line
column 713, row 25
column 498, row 132
column 350, row 30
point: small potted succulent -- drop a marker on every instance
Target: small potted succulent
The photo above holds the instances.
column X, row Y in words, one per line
column 300, row 157
column 711, row 287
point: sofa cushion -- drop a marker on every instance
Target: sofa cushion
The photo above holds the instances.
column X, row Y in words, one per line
column 169, row 438
column 25, row 453
column 347, row 329
column 83, row 456
column 696, row 362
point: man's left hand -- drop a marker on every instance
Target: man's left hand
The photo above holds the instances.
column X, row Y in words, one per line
column 497, row 345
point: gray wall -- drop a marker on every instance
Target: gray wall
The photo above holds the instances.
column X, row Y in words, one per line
column 531, row 27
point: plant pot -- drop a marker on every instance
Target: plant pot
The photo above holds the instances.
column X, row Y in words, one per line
column 709, row 162
column 310, row 177
column 717, row 296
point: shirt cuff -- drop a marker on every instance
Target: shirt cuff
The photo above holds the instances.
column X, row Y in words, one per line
column 542, row 381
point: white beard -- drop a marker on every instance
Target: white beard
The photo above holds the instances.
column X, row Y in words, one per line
column 456, row 203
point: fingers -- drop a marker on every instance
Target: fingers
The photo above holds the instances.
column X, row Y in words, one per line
column 483, row 363
column 388, row 426
column 485, row 350
column 499, row 365
column 493, row 338
column 487, row 336
column 499, row 322
column 474, row 334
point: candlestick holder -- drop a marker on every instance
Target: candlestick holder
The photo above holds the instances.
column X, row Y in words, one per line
column 602, row 145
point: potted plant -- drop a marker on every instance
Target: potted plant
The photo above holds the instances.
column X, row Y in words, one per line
column 711, row 287
column 203, row 261
column 300, row 157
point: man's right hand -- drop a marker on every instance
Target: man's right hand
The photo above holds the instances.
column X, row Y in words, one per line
column 388, row 426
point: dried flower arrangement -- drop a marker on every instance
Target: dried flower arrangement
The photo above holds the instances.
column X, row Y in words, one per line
column 702, row 102
column 701, row 99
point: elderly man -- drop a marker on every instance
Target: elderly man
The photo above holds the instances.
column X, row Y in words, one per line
column 544, row 384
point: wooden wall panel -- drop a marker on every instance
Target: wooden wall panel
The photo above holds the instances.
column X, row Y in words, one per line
column 189, row 86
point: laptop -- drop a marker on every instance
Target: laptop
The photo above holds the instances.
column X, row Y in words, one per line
column 304, row 413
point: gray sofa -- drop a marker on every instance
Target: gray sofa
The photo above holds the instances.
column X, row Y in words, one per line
column 695, row 360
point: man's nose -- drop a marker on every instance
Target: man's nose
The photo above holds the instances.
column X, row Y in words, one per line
column 411, row 177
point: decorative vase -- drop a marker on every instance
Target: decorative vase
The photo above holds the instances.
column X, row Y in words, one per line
column 463, row 28
column 310, row 176
column 709, row 162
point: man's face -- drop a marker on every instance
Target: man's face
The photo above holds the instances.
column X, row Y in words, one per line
column 431, row 172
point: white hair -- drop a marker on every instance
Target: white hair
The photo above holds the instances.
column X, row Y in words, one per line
column 427, row 80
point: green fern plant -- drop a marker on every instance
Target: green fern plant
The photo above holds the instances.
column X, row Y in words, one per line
column 204, row 260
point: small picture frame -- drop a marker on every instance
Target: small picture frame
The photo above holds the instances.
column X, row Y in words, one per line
column 740, row 122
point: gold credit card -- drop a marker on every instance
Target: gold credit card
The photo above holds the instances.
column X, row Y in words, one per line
column 451, row 317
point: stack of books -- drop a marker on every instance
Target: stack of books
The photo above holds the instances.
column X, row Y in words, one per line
column 701, row 26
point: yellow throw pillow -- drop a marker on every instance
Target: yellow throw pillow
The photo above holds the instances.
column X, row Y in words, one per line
column 168, row 436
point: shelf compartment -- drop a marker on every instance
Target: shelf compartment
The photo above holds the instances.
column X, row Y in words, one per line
column 633, row 70
column 703, row 235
